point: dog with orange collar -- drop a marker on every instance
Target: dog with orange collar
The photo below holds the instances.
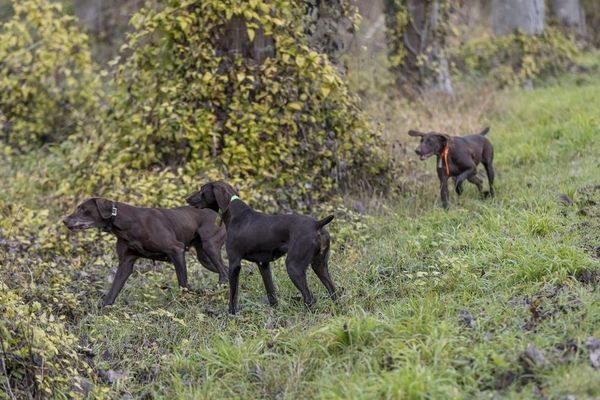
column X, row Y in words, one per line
column 458, row 157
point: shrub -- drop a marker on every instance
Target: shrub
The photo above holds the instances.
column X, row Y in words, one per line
column 39, row 356
column 513, row 59
column 233, row 89
column 48, row 86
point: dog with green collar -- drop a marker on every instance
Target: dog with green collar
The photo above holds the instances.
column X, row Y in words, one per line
column 263, row 238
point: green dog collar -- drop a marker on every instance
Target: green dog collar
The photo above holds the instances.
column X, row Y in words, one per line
column 234, row 197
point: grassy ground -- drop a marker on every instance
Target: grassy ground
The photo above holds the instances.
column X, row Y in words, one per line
column 437, row 304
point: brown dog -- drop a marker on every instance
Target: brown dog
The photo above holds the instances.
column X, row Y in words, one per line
column 262, row 238
column 153, row 233
column 458, row 157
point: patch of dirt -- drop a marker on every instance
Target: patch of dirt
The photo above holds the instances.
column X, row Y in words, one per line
column 588, row 208
column 551, row 301
column 524, row 372
column 593, row 345
column 589, row 277
column 466, row 319
column 503, row 380
column 566, row 351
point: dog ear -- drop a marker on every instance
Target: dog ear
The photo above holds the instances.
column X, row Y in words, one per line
column 104, row 207
column 443, row 139
column 222, row 192
column 416, row 133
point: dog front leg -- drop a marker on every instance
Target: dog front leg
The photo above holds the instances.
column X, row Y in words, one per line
column 124, row 270
column 444, row 191
column 235, row 265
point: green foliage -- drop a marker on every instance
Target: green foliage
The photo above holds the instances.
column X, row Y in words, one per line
column 326, row 21
column 38, row 353
column 48, row 86
column 513, row 59
column 397, row 19
column 260, row 108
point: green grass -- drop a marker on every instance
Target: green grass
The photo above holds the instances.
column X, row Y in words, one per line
column 510, row 262
column 396, row 333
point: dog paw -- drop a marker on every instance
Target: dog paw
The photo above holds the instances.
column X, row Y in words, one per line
column 105, row 302
column 272, row 301
column 339, row 292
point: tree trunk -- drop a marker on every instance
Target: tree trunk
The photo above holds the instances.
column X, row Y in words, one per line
column 570, row 14
column 592, row 18
column 424, row 67
column 524, row 15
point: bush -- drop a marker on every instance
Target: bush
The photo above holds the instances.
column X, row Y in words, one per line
column 48, row 86
column 227, row 89
column 39, row 356
column 513, row 59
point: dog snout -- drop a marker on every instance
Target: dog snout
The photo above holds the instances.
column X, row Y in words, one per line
column 68, row 221
column 193, row 199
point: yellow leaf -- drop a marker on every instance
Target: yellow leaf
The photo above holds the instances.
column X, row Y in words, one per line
column 251, row 34
column 207, row 77
column 300, row 61
column 296, row 105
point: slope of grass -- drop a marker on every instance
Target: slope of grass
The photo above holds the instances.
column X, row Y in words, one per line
column 436, row 304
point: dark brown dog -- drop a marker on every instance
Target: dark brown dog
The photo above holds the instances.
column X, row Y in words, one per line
column 458, row 157
column 262, row 238
column 154, row 233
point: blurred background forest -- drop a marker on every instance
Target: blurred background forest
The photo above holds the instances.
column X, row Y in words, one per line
column 304, row 106
column 295, row 110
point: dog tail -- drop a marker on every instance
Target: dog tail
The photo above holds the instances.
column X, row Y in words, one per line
column 321, row 223
column 484, row 131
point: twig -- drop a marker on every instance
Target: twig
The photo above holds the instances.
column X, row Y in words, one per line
column 3, row 362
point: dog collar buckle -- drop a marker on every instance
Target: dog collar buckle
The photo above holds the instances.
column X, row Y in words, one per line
column 114, row 211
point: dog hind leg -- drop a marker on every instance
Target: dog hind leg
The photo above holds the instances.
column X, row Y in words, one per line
column 475, row 180
column 320, row 266
column 267, row 277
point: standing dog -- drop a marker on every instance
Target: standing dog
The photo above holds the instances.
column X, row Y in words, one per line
column 262, row 238
column 458, row 157
column 154, row 233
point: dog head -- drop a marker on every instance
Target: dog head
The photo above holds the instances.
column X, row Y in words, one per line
column 431, row 143
column 214, row 195
column 92, row 213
